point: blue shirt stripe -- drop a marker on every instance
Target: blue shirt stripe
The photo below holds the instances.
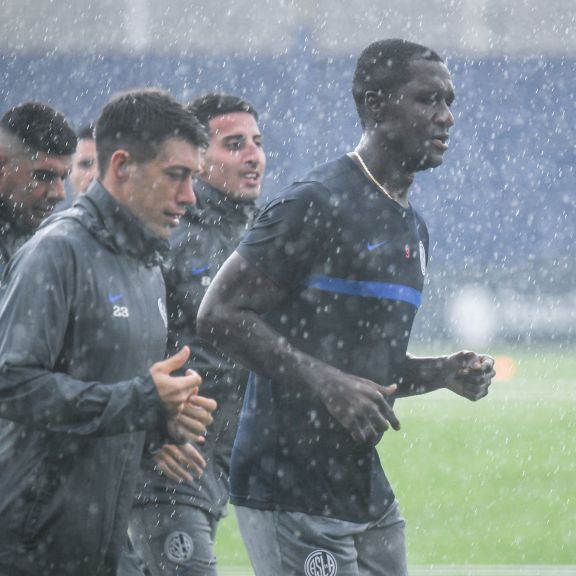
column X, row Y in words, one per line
column 366, row 289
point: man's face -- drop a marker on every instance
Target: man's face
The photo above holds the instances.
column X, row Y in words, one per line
column 158, row 191
column 417, row 116
column 235, row 160
column 83, row 165
column 30, row 187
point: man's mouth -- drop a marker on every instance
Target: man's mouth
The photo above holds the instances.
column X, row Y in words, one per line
column 173, row 218
column 252, row 176
column 440, row 141
column 44, row 211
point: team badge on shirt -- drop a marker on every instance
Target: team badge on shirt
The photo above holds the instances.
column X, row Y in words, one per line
column 163, row 313
column 320, row 563
column 422, row 251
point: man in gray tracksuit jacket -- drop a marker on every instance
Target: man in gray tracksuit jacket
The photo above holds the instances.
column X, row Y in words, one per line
column 36, row 147
column 82, row 335
column 173, row 525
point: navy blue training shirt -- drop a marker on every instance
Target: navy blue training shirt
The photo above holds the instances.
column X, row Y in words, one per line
column 354, row 262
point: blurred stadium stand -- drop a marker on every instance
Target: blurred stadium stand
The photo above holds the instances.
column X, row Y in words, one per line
column 501, row 211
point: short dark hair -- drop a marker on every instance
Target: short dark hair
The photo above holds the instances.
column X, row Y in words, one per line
column 217, row 104
column 40, row 128
column 384, row 66
column 86, row 132
column 140, row 121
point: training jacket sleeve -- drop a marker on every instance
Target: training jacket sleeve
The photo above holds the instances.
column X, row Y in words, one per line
column 36, row 307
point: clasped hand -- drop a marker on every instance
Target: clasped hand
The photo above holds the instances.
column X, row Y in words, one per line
column 469, row 374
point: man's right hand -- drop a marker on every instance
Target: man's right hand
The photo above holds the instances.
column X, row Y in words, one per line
column 359, row 405
column 188, row 414
column 174, row 391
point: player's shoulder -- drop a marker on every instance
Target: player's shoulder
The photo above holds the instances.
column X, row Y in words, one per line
column 65, row 229
column 331, row 176
column 418, row 217
column 321, row 186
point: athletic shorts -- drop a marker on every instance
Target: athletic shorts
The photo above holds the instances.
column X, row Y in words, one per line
column 296, row 544
column 173, row 540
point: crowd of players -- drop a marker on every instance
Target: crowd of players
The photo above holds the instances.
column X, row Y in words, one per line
column 166, row 347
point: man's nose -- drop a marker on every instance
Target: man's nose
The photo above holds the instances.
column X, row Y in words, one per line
column 253, row 153
column 445, row 116
column 187, row 195
column 56, row 190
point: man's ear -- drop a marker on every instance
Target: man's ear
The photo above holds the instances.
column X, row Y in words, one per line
column 374, row 103
column 119, row 165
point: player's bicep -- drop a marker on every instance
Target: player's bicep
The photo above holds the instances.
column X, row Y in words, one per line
column 240, row 287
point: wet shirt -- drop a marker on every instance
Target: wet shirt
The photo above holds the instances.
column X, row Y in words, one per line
column 353, row 262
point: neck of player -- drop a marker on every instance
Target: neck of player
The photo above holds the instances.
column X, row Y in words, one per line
column 386, row 169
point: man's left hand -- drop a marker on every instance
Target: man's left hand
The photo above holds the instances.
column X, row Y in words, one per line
column 180, row 462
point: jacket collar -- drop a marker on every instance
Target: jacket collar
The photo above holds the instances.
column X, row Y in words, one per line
column 6, row 224
column 213, row 207
column 12, row 236
column 116, row 227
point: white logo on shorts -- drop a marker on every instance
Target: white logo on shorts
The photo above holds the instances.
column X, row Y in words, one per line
column 320, row 563
column 178, row 547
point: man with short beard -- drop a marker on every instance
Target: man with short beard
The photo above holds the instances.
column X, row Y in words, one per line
column 36, row 147
column 85, row 387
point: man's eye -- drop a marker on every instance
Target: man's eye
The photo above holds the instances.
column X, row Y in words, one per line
column 45, row 177
column 234, row 144
column 177, row 174
column 86, row 164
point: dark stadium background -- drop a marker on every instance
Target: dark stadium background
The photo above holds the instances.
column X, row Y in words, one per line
column 501, row 210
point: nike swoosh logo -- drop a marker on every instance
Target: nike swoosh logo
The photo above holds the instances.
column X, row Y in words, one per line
column 200, row 269
column 113, row 298
column 375, row 245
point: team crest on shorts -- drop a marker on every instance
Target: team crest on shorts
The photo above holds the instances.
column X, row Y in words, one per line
column 422, row 257
column 178, row 547
column 320, row 563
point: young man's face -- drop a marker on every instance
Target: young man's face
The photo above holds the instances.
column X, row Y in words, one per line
column 158, row 191
column 30, row 187
column 83, row 165
column 235, row 161
column 417, row 117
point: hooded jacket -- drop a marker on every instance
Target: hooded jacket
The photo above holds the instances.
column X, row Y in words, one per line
column 82, row 319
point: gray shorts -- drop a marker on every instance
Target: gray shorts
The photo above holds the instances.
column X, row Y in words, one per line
column 297, row 544
column 171, row 540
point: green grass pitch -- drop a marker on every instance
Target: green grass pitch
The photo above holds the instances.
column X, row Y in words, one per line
column 492, row 482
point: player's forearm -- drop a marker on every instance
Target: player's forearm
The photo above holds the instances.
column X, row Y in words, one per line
column 422, row 375
column 245, row 337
